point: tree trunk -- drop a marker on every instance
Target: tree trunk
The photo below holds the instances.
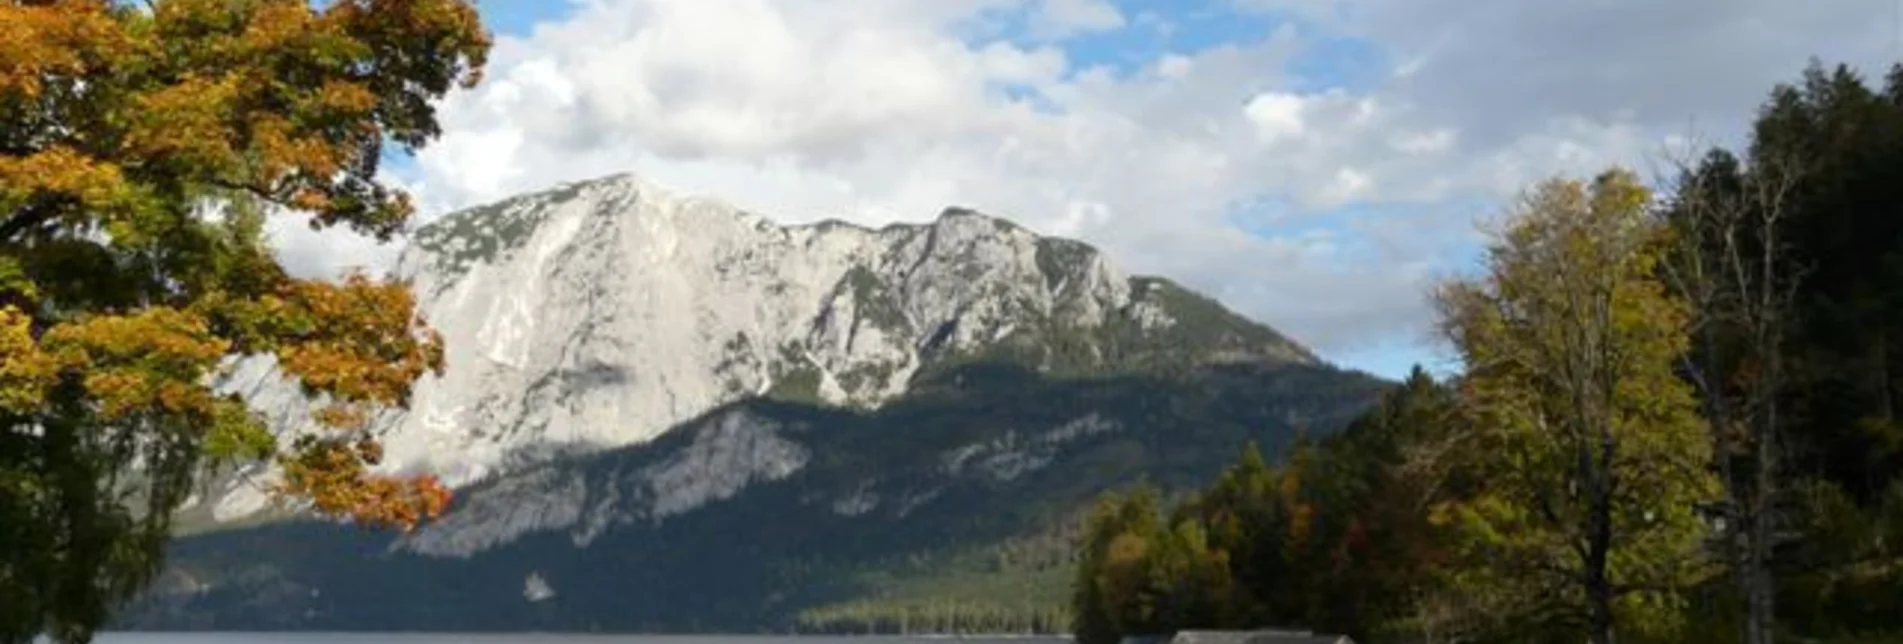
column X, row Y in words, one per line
column 1599, row 598
column 1886, row 406
column 1599, row 594
column 1760, row 588
column 1761, row 624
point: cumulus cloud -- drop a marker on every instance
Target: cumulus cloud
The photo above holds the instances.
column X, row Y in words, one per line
column 1504, row 68
column 1061, row 18
column 1323, row 211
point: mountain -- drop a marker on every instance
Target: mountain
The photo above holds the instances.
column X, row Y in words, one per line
column 601, row 313
column 664, row 413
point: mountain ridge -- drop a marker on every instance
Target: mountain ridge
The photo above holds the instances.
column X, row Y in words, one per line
column 599, row 313
column 666, row 413
column 765, row 514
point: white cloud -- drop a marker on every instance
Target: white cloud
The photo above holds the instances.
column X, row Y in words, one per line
column 1429, row 142
column 886, row 110
column 1348, row 185
column 1060, row 18
column 1502, row 68
column 1277, row 116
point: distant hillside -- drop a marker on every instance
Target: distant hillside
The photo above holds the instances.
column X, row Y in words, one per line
column 667, row 414
column 760, row 512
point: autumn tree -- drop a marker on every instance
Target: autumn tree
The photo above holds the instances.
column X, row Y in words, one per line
column 1594, row 459
column 1114, row 594
column 1380, row 475
column 1245, row 517
column 142, row 147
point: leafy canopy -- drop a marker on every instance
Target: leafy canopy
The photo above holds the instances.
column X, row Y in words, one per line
column 1593, row 457
column 141, row 148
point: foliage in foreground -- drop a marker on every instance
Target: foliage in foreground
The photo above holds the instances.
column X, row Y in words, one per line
column 1590, row 460
column 142, row 146
column 1678, row 423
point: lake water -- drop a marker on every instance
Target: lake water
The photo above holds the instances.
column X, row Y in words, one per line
column 541, row 638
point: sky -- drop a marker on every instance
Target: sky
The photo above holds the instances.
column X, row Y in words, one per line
column 1314, row 164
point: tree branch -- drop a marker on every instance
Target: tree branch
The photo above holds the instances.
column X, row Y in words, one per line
column 36, row 212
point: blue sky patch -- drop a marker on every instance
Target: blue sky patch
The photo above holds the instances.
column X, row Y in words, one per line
column 519, row 17
column 1353, row 64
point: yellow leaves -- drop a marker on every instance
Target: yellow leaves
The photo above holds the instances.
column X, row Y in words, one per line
column 187, row 123
column 342, row 96
column 358, row 341
column 274, row 97
column 59, row 172
column 1126, row 550
column 449, row 26
column 274, row 25
column 281, row 152
column 26, row 372
column 131, row 119
column 342, row 416
column 39, row 42
column 1301, row 524
column 1572, row 342
column 145, row 362
column 1289, row 484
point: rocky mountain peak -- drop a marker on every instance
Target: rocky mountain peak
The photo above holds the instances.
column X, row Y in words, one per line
column 602, row 313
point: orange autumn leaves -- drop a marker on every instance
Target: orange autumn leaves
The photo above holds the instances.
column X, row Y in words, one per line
column 359, row 346
column 120, row 300
column 355, row 344
column 45, row 41
column 268, row 97
column 333, row 476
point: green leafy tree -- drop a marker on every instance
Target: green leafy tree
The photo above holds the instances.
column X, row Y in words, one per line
column 141, row 146
column 1381, row 475
column 1138, row 576
column 1336, row 539
column 1242, row 517
column 1594, row 459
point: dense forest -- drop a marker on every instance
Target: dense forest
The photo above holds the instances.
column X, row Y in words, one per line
column 1677, row 422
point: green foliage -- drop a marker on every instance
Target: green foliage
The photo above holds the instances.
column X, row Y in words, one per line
column 479, row 234
column 1334, row 540
column 1566, row 489
column 1815, row 186
column 1002, row 613
column 1014, row 586
column 872, row 301
column 1594, row 459
column 796, row 379
column 1063, row 262
column 1167, row 330
column 1139, row 575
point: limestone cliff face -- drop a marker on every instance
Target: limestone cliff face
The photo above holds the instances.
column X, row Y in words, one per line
column 602, row 313
column 664, row 414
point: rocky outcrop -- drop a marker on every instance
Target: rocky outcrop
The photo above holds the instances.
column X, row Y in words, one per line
column 602, row 313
